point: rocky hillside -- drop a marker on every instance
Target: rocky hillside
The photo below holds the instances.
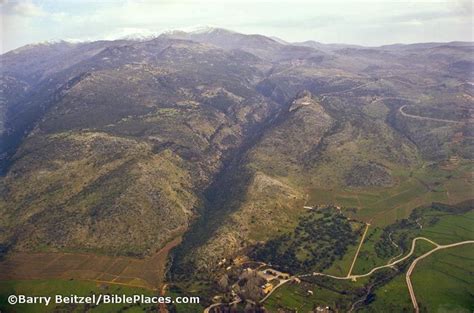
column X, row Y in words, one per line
column 117, row 147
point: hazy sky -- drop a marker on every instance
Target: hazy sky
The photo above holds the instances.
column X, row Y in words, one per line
column 369, row 22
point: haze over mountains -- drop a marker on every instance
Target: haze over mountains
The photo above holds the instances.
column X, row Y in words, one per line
column 118, row 147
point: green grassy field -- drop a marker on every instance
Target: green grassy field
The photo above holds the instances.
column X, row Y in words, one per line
column 384, row 205
column 367, row 258
column 443, row 282
column 449, row 228
column 341, row 267
column 392, row 297
column 441, row 227
column 294, row 297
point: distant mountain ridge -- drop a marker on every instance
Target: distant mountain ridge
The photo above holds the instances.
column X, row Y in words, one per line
column 199, row 33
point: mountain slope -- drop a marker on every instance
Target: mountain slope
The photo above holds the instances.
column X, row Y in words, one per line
column 120, row 147
column 124, row 133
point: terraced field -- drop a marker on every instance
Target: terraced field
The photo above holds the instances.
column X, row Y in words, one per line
column 145, row 273
column 382, row 206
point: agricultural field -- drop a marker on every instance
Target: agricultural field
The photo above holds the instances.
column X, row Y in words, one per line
column 297, row 298
column 145, row 273
column 453, row 268
column 386, row 289
column 454, row 294
column 382, row 206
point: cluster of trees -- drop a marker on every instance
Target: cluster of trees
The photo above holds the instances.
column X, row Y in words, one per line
column 315, row 243
column 394, row 233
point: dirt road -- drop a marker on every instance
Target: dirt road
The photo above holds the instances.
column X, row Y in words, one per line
column 358, row 249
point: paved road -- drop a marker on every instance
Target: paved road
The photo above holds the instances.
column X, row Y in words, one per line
column 426, row 118
column 413, row 264
column 397, row 98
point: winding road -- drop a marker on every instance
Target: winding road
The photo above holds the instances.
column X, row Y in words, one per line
column 396, row 246
column 426, row 118
column 324, row 95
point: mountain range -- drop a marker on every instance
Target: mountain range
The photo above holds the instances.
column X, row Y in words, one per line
column 221, row 138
